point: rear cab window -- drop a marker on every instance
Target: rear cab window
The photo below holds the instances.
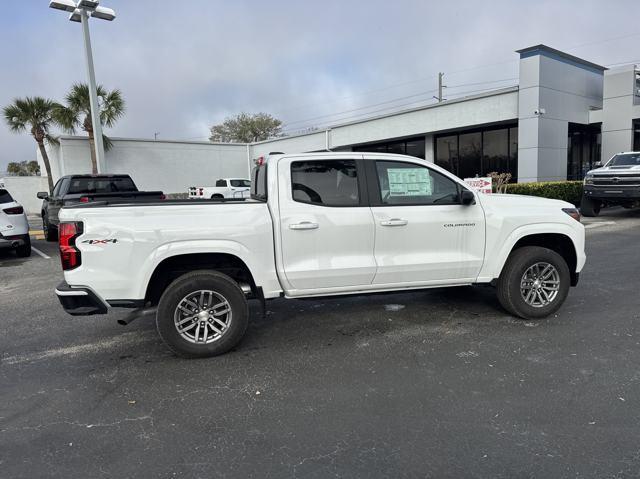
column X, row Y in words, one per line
column 5, row 197
column 259, row 184
column 101, row 185
column 240, row 183
column 221, row 183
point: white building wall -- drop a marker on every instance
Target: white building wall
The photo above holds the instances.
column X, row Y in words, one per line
column 155, row 165
column 24, row 190
column 561, row 92
column 618, row 111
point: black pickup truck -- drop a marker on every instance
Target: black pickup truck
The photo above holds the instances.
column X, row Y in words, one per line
column 87, row 189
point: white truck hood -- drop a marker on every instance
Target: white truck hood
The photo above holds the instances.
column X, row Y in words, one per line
column 619, row 170
column 506, row 201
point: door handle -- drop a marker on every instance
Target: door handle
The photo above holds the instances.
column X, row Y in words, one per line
column 394, row 222
column 304, row 225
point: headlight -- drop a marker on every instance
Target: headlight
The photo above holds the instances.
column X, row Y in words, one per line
column 588, row 179
column 573, row 212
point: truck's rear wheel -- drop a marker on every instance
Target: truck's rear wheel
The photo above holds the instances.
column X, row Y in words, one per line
column 50, row 231
column 201, row 314
column 534, row 282
column 589, row 207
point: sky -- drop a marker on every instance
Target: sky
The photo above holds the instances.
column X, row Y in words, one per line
column 183, row 66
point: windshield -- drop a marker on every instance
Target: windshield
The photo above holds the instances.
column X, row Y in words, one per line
column 101, row 185
column 626, row 159
column 241, row 183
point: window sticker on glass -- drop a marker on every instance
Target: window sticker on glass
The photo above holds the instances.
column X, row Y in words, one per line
column 409, row 182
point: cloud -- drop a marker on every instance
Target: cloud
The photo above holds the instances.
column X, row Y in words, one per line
column 184, row 68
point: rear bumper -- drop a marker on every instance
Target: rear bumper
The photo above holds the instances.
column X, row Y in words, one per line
column 79, row 301
column 612, row 192
column 13, row 241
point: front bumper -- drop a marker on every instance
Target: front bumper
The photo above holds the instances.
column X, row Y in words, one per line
column 612, row 192
column 79, row 301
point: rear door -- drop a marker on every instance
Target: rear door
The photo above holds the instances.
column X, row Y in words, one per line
column 423, row 234
column 326, row 226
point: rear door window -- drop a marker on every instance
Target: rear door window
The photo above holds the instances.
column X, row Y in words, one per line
column 325, row 182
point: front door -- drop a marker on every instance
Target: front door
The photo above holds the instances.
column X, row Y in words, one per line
column 423, row 234
column 326, row 225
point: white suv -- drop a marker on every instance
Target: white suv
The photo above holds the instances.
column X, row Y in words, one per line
column 14, row 226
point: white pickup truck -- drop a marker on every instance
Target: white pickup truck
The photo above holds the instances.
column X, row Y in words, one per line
column 225, row 188
column 317, row 224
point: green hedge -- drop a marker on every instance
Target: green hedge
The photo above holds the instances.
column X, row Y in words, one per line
column 570, row 191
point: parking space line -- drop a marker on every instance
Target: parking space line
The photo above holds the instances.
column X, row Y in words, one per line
column 40, row 253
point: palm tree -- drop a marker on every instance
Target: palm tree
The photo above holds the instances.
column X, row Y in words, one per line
column 77, row 113
column 36, row 115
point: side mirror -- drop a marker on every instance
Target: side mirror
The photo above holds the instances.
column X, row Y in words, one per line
column 43, row 195
column 467, row 197
column 598, row 164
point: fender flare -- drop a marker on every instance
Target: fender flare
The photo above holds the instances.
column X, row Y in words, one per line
column 179, row 248
column 493, row 268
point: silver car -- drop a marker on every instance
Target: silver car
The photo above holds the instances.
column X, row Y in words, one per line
column 14, row 226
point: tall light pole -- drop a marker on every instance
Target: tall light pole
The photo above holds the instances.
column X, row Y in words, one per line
column 80, row 12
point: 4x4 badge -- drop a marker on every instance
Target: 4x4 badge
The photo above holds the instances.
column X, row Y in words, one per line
column 100, row 241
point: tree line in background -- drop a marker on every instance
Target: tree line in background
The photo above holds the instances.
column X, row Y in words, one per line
column 38, row 115
column 23, row 168
column 246, row 128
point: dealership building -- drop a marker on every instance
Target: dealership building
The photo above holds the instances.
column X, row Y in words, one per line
column 565, row 114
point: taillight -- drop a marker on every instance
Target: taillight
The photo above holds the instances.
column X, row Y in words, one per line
column 15, row 210
column 69, row 253
column 84, row 199
column 163, row 197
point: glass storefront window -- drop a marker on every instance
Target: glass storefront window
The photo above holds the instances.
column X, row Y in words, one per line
column 447, row 153
column 495, row 151
column 411, row 146
column 583, row 149
column 513, row 154
column 470, row 154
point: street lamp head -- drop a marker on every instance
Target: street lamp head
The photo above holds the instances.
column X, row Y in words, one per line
column 88, row 4
column 76, row 16
column 103, row 13
column 65, row 5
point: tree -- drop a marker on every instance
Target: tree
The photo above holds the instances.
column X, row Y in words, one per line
column 77, row 113
column 35, row 115
column 24, row 168
column 246, row 128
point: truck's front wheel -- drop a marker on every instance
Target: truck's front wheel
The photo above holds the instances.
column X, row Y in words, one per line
column 589, row 207
column 533, row 283
column 202, row 313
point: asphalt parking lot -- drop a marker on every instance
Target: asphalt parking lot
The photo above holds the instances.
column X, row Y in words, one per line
column 437, row 383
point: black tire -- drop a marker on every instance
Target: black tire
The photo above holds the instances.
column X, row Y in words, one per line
column 509, row 282
column 190, row 283
column 50, row 231
column 217, row 197
column 24, row 251
column 589, row 207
